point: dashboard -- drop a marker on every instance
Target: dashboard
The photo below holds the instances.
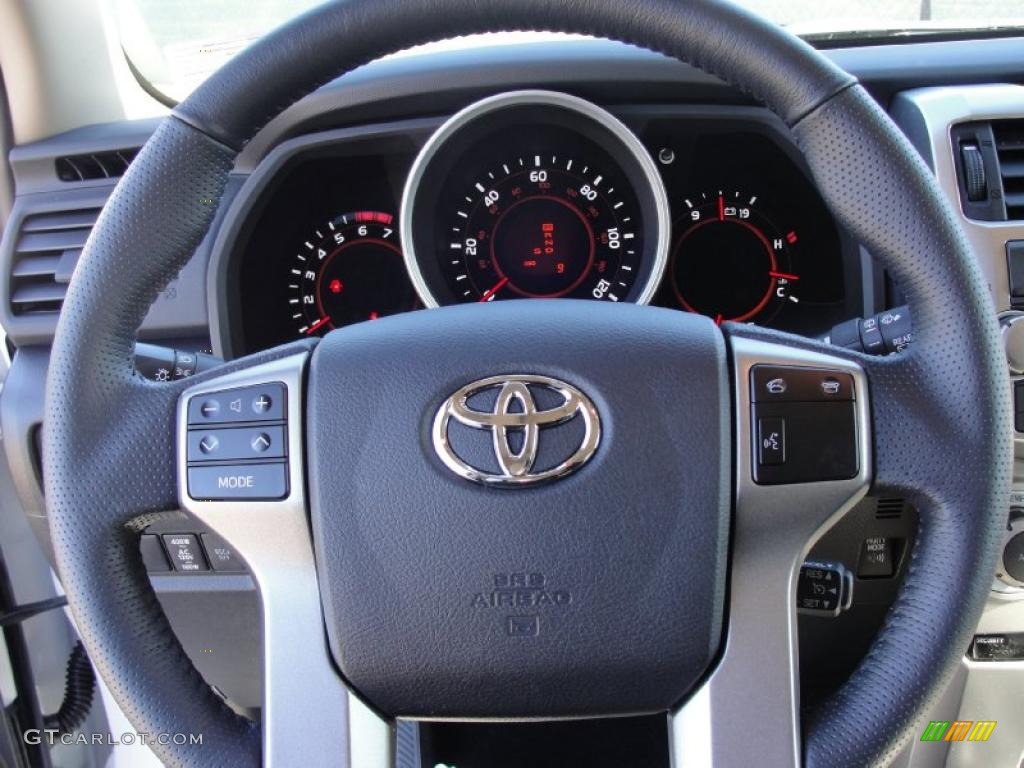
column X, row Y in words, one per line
column 534, row 194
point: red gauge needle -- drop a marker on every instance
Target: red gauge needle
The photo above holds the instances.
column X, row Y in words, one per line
column 783, row 276
column 721, row 208
column 497, row 287
column 318, row 325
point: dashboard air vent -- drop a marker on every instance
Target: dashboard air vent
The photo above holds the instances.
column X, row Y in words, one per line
column 98, row 165
column 1009, row 140
column 45, row 254
column 889, row 509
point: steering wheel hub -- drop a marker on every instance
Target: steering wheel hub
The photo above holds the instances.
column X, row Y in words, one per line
column 603, row 589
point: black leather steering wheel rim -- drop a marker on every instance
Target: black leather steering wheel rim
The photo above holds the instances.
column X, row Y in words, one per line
column 941, row 410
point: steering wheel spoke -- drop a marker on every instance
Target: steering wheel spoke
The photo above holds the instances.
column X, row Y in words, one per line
column 748, row 711
column 241, row 471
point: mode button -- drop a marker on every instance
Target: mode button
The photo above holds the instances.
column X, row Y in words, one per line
column 238, row 481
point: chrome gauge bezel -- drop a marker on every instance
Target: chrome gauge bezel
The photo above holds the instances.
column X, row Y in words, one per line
column 628, row 148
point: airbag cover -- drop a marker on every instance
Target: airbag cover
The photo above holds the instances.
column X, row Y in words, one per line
column 597, row 593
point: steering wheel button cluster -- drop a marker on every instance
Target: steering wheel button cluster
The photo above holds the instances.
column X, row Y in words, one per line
column 804, row 423
column 236, row 444
column 261, row 403
column 787, row 384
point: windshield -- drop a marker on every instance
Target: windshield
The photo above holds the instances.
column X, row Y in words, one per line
column 175, row 44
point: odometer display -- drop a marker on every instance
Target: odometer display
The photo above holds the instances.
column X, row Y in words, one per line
column 535, row 195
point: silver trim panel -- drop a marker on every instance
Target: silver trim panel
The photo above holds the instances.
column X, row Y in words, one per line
column 501, row 101
column 928, row 115
column 309, row 716
column 748, row 712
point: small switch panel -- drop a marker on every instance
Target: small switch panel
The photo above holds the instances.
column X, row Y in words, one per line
column 823, row 589
column 1003, row 647
column 185, row 553
column 222, row 556
column 878, row 557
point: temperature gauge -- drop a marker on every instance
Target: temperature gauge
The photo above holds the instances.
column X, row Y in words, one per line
column 731, row 262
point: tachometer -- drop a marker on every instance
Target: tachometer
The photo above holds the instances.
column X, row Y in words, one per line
column 534, row 195
column 351, row 269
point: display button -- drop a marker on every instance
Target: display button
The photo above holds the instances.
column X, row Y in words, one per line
column 771, row 441
column 265, row 402
column 238, row 481
column 222, row 555
column 877, row 558
column 236, row 443
column 184, row 551
column 789, row 384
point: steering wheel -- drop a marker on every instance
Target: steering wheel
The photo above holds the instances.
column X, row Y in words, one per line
column 667, row 563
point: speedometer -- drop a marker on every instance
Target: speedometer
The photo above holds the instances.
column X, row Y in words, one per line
column 534, row 195
column 541, row 231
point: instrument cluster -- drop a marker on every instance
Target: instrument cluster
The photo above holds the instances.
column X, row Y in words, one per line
column 537, row 194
